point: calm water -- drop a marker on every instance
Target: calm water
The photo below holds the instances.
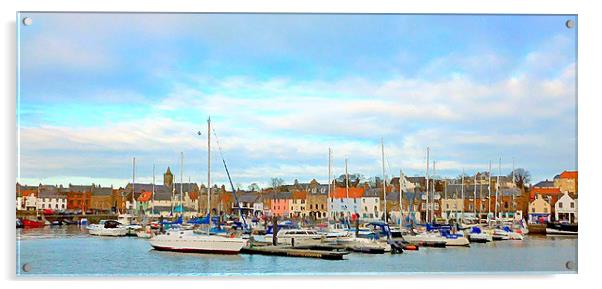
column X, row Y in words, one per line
column 69, row 250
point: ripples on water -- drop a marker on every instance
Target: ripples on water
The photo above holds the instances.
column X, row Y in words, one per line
column 69, row 250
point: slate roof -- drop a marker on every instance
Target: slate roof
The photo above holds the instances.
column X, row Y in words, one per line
column 545, row 184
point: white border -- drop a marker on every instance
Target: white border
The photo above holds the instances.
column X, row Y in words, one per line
column 589, row 136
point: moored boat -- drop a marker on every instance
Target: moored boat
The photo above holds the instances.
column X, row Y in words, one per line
column 476, row 235
column 186, row 241
column 108, row 228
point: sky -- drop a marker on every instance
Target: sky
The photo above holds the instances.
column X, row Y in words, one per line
column 96, row 90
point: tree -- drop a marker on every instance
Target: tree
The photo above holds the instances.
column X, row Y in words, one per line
column 276, row 182
column 254, row 187
column 521, row 177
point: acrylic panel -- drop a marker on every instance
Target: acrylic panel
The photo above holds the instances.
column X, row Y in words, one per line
column 283, row 144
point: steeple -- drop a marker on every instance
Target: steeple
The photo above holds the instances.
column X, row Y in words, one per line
column 168, row 178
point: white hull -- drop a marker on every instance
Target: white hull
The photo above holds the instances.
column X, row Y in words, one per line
column 112, row 232
column 480, row 237
column 559, row 232
column 460, row 241
column 187, row 241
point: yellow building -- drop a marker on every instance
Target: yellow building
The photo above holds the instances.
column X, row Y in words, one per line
column 567, row 182
column 539, row 209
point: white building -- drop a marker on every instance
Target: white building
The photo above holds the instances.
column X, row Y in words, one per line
column 370, row 208
column 566, row 208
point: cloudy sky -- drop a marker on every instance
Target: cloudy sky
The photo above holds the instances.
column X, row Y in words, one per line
column 99, row 89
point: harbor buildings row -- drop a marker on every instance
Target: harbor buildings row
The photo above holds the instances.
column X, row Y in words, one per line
column 478, row 196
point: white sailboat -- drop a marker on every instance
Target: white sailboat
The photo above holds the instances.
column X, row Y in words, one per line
column 187, row 240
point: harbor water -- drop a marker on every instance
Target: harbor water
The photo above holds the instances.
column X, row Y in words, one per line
column 70, row 251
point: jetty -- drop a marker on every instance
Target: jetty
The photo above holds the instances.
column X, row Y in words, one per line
column 288, row 251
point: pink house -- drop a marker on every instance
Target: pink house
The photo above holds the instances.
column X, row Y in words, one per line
column 280, row 204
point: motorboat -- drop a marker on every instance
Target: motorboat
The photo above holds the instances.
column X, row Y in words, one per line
column 27, row 223
column 297, row 237
column 476, row 235
column 187, row 241
column 561, row 229
column 108, row 228
column 505, row 233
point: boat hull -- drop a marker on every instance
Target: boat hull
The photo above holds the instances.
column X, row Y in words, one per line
column 553, row 232
column 190, row 243
column 112, row 232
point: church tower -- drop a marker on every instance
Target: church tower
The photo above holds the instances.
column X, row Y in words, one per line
column 168, row 178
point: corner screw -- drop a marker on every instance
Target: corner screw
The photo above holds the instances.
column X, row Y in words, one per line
column 27, row 21
column 569, row 24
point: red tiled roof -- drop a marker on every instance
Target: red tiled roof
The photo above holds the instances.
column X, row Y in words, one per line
column 544, row 191
column 569, row 175
column 193, row 196
column 299, row 195
column 354, row 192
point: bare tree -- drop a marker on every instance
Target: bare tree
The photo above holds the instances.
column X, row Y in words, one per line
column 276, row 183
column 522, row 177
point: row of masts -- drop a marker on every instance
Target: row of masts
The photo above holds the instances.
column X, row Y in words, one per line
column 430, row 190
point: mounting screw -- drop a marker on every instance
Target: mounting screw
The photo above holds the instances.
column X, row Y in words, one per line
column 570, row 265
column 27, row 21
column 26, row 267
column 569, row 24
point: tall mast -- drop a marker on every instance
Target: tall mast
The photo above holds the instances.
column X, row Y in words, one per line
column 497, row 186
column 346, row 180
column 400, row 200
column 445, row 197
column 513, row 186
column 433, row 195
column 382, row 146
column 209, row 173
column 329, row 170
column 489, row 191
column 474, row 196
column 462, row 215
column 133, row 182
column 181, row 182
column 153, row 201
column 427, row 185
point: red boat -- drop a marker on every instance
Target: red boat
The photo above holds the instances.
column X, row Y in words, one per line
column 32, row 224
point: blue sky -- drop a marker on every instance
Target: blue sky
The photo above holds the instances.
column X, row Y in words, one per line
column 99, row 89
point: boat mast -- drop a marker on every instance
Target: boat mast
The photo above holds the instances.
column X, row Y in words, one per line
column 474, row 196
column 489, row 191
column 400, row 201
column 329, row 171
column 181, row 182
column 209, row 173
column 153, row 200
column 346, row 180
column 514, row 186
column 433, row 195
column 427, row 186
column 462, row 214
column 446, row 199
column 497, row 186
column 133, row 182
column 382, row 146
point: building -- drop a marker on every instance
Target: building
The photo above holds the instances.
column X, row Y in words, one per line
column 298, row 204
column 102, row 200
column 280, row 205
column 79, row 197
column 27, row 197
column 371, row 205
column 567, row 182
column 52, row 198
column 251, row 204
column 539, row 210
column 343, row 202
column 566, row 208
column 317, row 200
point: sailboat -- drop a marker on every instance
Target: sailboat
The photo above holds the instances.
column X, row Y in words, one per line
column 188, row 240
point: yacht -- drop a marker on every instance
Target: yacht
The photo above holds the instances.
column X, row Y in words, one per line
column 187, row 241
column 108, row 228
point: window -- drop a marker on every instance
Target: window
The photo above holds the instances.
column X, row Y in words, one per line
column 532, row 210
column 365, row 208
column 311, row 206
column 560, row 205
column 354, row 201
column 302, row 201
column 545, row 210
column 572, row 205
column 364, row 201
column 322, row 206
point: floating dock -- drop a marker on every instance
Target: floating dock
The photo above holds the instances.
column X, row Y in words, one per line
column 288, row 251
